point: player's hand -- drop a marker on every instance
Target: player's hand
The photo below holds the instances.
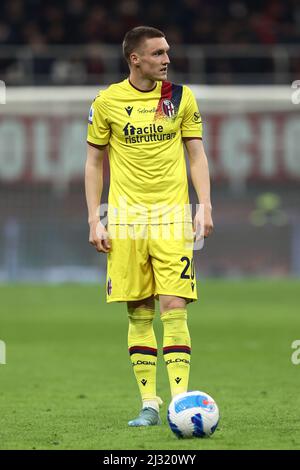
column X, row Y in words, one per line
column 203, row 228
column 99, row 237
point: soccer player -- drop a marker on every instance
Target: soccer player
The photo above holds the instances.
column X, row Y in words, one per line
column 145, row 121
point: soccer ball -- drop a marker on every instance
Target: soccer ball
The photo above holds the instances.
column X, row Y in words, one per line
column 193, row 414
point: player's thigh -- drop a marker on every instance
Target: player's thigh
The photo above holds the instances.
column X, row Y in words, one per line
column 129, row 271
column 148, row 303
column 173, row 263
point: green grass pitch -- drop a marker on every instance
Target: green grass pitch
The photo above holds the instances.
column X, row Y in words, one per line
column 68, row 383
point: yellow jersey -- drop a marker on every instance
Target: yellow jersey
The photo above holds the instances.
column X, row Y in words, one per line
column 144, row 132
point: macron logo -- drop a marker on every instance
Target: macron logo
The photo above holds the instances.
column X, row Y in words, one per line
column 129, row 110
column 129, row 129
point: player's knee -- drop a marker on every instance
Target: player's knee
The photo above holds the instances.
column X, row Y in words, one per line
column 145, row 304
column 140, row 317
column 173, row 303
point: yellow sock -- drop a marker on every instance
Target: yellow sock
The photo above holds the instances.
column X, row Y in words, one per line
column 177, row 349
column 143, row 351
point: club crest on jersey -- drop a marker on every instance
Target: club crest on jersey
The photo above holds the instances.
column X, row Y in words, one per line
column 168, row 108
column 91, row 115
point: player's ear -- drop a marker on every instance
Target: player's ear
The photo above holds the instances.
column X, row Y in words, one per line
column 134, row 59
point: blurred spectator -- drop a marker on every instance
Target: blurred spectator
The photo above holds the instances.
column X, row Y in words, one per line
column 196, row 20
column 51, row 22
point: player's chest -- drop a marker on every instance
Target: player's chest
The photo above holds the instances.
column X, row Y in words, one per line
column 136, row 118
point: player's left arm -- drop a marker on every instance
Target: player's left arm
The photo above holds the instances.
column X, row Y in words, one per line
column 201, row 182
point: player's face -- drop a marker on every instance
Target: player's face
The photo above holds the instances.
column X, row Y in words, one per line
column 153, row 59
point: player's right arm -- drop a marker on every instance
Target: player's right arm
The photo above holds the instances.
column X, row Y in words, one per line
column 97, row 139
column 93, row 190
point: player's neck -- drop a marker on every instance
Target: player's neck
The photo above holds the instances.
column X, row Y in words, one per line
column 142, row 84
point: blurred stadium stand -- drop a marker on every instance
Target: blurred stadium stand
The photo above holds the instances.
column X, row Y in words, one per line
column 251, row 133
column 78, row 41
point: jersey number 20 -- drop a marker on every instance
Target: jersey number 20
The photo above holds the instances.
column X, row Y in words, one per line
column 188, row 263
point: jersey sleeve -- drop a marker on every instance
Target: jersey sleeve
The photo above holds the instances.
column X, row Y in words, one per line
column 98, row 126
column 191, row 125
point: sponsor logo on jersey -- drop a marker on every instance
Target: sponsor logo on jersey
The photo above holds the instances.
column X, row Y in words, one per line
column 145, row 110
column 149, row 133
column 197, row 118
column 128, row 110
column 91, row 115
column 129, row 129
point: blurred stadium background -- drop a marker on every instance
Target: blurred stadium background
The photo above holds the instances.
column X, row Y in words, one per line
column 240, row 57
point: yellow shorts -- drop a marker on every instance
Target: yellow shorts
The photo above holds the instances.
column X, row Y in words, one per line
column 148, row 260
